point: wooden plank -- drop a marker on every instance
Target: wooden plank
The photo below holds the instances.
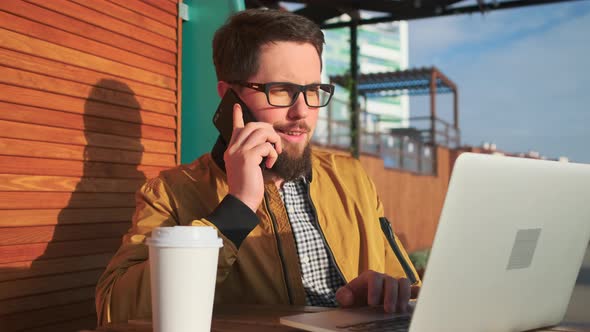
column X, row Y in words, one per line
column 81, row 324
column 86, row 323
column 20, row 218
column 10, row 129
column 52, row 200
column 15, row 147
column 69, row 72
column 31, row 269
column 43, row 317
column 13, row 182
column 40, row 234
column 149, row 11
column 102, row 20
column 66, row 23
column 35, row 98
column 30, row 80
column 72, row 41
column 34, row 46
column 36, row 166
column 46, row 300
column 35, row 115
column 44, row 251
column 26, row 287
column 129, row 16
column 168, row 6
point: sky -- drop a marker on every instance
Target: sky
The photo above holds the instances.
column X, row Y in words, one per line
column 523, row 76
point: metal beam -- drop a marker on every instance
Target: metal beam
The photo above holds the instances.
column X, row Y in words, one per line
column 426, row 12
column 319, row 13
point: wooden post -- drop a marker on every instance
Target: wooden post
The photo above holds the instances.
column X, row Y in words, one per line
column 433, row 107
column 354, row 106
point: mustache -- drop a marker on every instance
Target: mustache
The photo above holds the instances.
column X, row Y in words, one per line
column 296, row 126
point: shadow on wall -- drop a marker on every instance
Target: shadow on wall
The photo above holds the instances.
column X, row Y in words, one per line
column 58, row 287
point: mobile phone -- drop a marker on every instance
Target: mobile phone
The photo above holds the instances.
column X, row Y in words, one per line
column 223, row 117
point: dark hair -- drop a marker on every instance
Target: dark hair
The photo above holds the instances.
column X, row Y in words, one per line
column 236, row 45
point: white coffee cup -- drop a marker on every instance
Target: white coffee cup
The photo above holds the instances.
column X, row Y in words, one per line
column 183, row 268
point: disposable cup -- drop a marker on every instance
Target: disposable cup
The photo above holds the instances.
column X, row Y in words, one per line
column 183, row 268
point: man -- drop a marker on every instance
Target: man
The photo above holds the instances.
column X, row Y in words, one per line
column 306, row 228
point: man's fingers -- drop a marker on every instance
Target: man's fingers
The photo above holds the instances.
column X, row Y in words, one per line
column 403, row 296
column 375, row 288
column 238, row 117
column 240, row 135
column 414, row 291
column 259, row 136
column 242, row 131
column 275, row 140
column 356, row 291
column 344, row 296
column 268, row 151
column 257, row 153
column 391, row 291
column 359, row 287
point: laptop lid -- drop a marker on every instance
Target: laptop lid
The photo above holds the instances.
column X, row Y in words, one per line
column 508, row 247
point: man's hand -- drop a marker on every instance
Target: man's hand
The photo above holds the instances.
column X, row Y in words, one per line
column 248, row 146
column 374, row 288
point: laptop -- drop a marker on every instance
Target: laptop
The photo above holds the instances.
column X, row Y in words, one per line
column 509, row 244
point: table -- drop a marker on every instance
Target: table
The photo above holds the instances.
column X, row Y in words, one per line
column 262, row 318
column 247, row 318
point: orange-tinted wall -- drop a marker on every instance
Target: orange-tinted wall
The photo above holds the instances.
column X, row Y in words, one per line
column 412, row 202
column 88, row 110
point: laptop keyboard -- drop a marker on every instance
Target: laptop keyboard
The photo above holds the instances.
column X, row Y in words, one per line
column 396, row 324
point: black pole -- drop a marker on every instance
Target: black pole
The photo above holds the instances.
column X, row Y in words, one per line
column 354, row 106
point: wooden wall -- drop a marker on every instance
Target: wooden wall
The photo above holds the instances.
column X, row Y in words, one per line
column 88, row 110
column 412, row 202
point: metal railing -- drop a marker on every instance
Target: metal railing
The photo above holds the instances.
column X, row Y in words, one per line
column 398, row 152
column 406, row 149
column 448, row 135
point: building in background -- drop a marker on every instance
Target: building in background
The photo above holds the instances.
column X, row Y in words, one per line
column 383, row 47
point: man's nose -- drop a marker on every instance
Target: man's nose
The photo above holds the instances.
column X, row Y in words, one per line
column 299, row 109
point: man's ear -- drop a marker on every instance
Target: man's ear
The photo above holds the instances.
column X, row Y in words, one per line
column 222, row 88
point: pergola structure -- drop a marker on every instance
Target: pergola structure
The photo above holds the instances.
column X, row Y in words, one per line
column 412, row 82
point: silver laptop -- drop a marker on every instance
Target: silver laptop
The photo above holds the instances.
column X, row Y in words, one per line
column 509, row 245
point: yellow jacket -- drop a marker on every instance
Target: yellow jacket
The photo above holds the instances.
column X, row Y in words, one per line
column 266, row 268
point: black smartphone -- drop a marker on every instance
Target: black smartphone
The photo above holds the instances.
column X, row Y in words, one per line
column 223, row 117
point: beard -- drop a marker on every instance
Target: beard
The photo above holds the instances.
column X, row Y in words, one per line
column 290, row 166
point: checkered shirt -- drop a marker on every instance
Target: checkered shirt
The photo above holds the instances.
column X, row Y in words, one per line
column 320, row 277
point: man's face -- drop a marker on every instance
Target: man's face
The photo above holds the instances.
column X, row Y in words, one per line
column 286, row 62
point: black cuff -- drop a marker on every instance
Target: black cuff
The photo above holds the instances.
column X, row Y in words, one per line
column 234, row 219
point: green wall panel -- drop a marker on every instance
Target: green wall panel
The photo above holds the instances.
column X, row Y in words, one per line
column 199, row 83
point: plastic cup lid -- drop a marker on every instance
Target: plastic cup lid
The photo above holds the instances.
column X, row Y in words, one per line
column 185, row 236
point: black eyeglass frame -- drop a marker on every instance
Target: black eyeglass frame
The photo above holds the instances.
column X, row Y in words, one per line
column 265, row 87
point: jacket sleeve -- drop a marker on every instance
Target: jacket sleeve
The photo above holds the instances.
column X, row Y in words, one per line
column 123, row 290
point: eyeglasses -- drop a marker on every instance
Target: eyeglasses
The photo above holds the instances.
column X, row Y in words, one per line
column 284, row 94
